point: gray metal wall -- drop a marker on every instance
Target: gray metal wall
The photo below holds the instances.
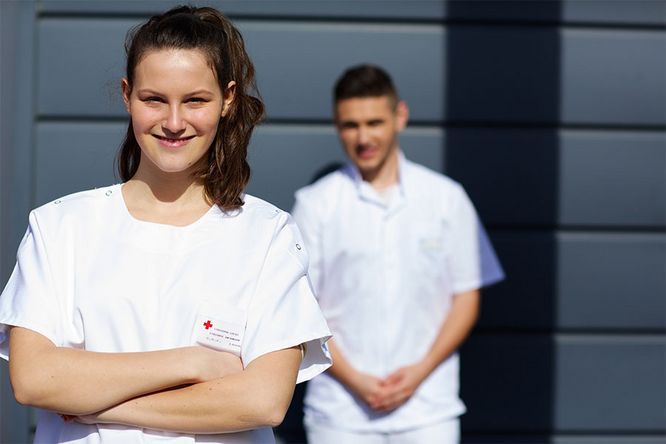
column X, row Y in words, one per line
column 552, row 114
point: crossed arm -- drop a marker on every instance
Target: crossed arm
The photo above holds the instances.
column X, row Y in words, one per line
column 383, row 394
column 188, row 389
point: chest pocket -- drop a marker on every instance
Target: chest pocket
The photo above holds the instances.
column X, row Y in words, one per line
column 220, row 326
column 431, row 246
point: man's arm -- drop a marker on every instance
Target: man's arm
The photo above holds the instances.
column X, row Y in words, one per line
column 399, row 386
column 78, row 382
column 256, row 397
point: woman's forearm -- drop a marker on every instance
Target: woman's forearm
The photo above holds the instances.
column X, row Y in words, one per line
column 80, row 382
column 256, row 397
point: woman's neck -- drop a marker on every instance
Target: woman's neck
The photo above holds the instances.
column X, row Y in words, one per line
column 172, row 199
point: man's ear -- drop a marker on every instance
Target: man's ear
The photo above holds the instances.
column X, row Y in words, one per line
column 401, row 114
column 229, row 96
column 126, row 90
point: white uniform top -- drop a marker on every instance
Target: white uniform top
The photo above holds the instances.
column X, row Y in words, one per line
column 90, row 276
column 385, row 277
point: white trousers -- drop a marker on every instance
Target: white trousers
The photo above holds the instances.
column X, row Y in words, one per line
column 447, row 432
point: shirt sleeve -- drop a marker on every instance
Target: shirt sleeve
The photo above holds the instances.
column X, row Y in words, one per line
column 29, row 298
column 283, row 312
column 473, row 262
column 308, row 224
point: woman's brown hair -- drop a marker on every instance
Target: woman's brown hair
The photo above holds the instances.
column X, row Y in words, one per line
column 207, row 30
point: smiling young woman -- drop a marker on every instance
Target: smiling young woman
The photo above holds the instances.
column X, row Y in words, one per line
column 173, row 304
column 175, row 104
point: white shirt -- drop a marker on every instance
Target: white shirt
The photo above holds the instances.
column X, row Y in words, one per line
column 385, row 276
column 91, row 276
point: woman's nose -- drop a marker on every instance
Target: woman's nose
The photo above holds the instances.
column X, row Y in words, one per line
column 174, row 122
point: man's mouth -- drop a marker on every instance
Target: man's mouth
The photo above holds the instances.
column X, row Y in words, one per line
column 365, row 152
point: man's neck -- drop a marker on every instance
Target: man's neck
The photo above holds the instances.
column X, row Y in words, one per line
column 387, row 174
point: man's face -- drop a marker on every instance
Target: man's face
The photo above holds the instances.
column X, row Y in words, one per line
column 368, row 128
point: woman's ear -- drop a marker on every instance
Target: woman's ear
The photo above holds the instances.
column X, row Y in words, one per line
column 229, row 95
column 126, row 90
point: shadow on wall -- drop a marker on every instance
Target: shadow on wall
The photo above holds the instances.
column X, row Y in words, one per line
column 502, row 108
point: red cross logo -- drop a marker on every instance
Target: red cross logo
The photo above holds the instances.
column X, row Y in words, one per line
column 208, row 325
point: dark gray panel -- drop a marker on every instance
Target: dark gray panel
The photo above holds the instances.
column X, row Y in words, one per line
column 17, row 30
column 591, row 12
column 366, row 9
column 496, row 73
column 548, row 11
column 613, row 77
column 76, row 156
column 567, row 384
column 285, row 158
column 510, row 174
column 579, row 281
column 613, row 178
column 81, row 62
column 610, row 383
column 72, row 157
column 575, row 177
column 631, row 12
column 546, row 75
column 297, row 79
column 612, row 281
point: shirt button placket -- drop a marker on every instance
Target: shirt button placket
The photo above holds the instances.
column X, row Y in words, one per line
column 385, row 297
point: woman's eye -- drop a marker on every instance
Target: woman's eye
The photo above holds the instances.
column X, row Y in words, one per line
column 152, row 99
column 196, row 100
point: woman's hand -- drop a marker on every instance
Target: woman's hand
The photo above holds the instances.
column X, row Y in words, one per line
column 213, row 364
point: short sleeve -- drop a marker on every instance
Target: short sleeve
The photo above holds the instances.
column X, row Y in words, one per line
column 308, row 224
column 473, row 262
column 283, row 311
column 29, row 298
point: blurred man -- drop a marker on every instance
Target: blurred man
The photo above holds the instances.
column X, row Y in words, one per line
column 397, row 258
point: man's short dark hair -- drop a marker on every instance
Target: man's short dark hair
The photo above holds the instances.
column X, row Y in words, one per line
column 364, row 81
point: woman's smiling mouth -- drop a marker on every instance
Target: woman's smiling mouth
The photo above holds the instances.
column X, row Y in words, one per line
column 173, row 142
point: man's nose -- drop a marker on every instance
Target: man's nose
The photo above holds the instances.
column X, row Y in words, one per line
column 363, row 135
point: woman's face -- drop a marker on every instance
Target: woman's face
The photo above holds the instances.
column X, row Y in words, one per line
column 175, row 105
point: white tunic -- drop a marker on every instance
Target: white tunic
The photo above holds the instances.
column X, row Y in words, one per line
column 385, row 276
column 90, row 276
